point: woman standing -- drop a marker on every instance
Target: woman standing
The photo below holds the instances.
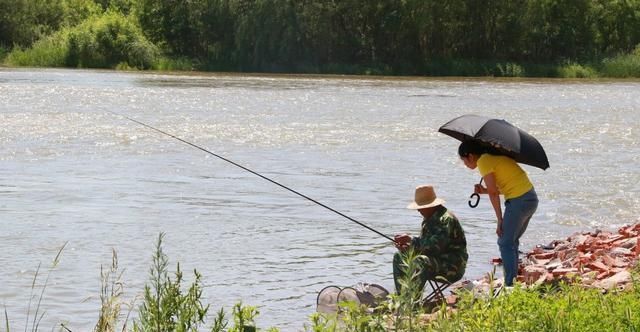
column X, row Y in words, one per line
column 502, row 175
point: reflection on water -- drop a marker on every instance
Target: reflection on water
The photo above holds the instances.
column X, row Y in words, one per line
column 72, row 171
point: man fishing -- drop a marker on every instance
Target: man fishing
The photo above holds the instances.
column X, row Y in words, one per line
column 441, row 244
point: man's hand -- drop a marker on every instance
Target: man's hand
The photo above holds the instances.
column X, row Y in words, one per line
column 402, row 241
column 499, row 228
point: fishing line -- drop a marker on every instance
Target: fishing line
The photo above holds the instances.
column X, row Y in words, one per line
column 254, row 173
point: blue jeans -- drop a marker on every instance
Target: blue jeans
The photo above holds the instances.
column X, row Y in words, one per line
column 517, row 213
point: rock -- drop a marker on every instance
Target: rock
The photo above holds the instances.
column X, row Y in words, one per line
column 619, row 278
column 553, row 264
column 594, row 256
column 597, row 266
column 534, row 274
column 627, row 243
column 546, row 255
column 619, row 251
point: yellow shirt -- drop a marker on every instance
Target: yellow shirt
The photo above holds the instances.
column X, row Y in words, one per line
column 511, row 180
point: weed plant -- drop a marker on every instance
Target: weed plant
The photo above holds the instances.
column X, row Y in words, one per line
column 110, row 298
column 166, row 307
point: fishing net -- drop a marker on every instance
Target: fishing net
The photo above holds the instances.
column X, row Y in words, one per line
column 368, row 295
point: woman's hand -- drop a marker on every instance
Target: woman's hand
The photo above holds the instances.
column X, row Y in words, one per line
column 402, row 241
column 479, row 189
column 499, row 228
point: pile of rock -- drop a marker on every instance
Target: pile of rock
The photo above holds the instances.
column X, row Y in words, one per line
column 599, row 259
column 594, row 259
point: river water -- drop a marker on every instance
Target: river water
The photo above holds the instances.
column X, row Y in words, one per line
column 72, row 172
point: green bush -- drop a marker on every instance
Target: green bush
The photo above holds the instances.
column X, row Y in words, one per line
column 3, row 53
column 509, row 69
column 105, row 41
column 168, row 64
column 166, row 306
column 108, row 41
column 622, row 66
column 50, row 51
column 76, row 11
column 574, row 70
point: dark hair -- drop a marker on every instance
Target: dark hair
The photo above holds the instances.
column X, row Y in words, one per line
column 470, row 147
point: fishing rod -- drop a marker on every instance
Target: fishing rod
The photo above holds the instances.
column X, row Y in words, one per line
column 254, row 173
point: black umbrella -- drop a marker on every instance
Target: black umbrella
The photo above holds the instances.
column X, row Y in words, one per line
column 500, row 137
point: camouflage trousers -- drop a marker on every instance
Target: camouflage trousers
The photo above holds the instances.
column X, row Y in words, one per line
column 428, row 269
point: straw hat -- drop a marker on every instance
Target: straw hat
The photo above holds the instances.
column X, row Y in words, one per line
column 425, row 198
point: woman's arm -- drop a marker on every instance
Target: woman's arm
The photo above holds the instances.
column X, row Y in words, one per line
column 494, row 196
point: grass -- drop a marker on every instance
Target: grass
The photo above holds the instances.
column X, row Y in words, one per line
column 562, row 308
column 111, row 291
column 168, row 64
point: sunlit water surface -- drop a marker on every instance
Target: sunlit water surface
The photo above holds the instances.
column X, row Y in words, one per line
column 72, row 172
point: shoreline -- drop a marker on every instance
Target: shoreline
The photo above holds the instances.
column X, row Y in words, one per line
column 354, row 77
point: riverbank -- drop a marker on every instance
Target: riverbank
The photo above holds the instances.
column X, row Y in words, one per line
column 622, row 66
column 586, row 282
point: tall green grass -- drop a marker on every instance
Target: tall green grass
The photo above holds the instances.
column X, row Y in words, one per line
column 562, row 308
column 622, row 66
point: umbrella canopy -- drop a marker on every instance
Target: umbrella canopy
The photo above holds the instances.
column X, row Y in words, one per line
column 501, row 136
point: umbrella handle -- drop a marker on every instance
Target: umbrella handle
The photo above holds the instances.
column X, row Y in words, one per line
column 473, row 205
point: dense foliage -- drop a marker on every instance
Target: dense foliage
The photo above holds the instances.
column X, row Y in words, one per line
column 461, row 37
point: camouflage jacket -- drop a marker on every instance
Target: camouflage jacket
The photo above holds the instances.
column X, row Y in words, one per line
column 442, row 240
